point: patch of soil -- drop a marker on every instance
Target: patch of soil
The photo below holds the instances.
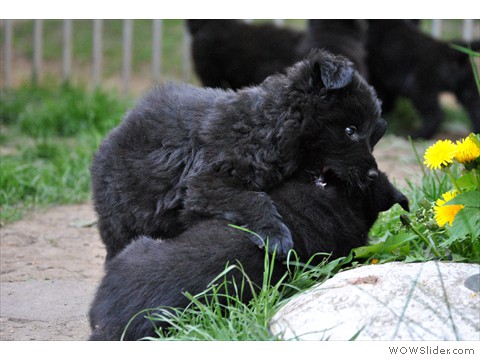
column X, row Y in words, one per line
column 51, row 263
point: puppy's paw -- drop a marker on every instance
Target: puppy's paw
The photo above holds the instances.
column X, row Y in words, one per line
column 278, row 237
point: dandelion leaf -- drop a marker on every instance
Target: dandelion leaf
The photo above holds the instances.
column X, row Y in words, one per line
column 467, row 181
column 394, row 245
column 468, row 199
column 466, row 224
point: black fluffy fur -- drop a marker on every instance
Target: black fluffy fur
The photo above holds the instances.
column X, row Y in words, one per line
column 186, row 153
column 233, row 54
column 149, row 273
column 403, row 61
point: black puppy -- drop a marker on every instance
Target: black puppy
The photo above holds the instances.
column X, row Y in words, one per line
column 347, row 37
column 403, row 61
column 233, row 54
column 331, row 218
column 186, row 153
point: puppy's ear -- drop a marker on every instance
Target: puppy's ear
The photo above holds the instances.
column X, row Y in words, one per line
column 321, row 71
column 378, row 132
column 335, row 71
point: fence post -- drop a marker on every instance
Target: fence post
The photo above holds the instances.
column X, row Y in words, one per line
column 97, row 52
column 67, row 50
column 157, row 50
column 127, row 54
column 436, row 28
column 467, row 31
column 37, row 50
column 7, row 53
column 187, row 68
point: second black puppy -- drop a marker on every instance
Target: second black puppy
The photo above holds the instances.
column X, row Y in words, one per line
column 186, row 153
column 347, row 37
column 233, row 54
column 403, row 61
column 331, row 218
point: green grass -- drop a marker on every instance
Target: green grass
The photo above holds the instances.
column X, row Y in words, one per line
column 216, row 314
column 63, row 111
column 44, row 173
column 48, row 136
column 405, row 119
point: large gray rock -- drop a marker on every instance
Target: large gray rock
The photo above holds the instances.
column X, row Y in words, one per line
column 393, row 301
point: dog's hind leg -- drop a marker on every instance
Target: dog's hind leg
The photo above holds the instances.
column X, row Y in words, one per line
column 432, row 115
column 208, row 196
column 470, row 99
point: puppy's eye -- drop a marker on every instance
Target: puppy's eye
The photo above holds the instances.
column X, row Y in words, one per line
column 351, row 130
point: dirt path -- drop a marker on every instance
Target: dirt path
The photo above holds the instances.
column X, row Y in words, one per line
column 52, row 261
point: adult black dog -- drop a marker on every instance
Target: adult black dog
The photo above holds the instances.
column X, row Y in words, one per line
column 331, row 218
column 187, row 153
column 233, row 54
column 403, row 61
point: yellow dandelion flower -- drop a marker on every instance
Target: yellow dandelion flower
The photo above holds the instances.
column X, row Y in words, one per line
column 446, row 213
column 440, row 154
column 374, row 261
column 467, row 151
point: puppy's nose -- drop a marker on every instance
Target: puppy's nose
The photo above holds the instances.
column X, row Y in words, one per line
column 372, row 174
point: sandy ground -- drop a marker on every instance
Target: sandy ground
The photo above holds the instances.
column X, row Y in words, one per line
column 52, row 261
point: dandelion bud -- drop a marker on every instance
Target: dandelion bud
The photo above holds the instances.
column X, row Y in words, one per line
column 419, row 215
column 471, row 165
column 426, row 204
column 405, row 220
column 432, row 225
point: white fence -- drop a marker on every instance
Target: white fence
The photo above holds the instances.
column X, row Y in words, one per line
column 127, row 40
